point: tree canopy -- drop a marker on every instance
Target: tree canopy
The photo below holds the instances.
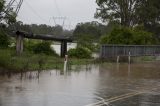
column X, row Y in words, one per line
column 41, row 29
column 129, row 12
column 92, row 30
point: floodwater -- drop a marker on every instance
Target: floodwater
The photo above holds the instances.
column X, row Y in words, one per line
column 88, row 85
column 57, row 47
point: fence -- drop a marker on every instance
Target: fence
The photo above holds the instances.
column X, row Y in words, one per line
column 129, row 50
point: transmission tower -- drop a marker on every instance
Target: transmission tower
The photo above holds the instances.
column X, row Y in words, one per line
column 14, row 5
column 55, row 19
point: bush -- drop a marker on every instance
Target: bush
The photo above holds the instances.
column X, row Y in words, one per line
column 128, row 36
column 40, row 47
column 5, row 58
column 79, row 52
column 4, row 40
column 86, row 41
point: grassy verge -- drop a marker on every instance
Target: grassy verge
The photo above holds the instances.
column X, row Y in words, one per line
column 144, row 59
column 28, row 62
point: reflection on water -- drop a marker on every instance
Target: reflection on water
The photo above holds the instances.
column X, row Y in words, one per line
column 57, row 47
column 88, row 85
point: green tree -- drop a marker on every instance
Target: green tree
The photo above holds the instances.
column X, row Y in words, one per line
column 119, row 10
column 92, row 29
column 7, row 15
column 86, row 34
column 129, row 12
column 1, row 9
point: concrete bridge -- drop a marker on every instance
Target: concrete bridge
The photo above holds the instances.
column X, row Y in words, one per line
column 129, row 50
column 20, row 35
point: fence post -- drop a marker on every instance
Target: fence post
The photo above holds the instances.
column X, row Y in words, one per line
column 19, row 44
column 129, row 58
column 117, row 59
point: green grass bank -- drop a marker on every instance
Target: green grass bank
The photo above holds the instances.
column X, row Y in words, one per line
column 9, row 61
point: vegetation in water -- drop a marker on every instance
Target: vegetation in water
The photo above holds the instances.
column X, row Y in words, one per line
column 43, row 47
column 9, row 61
column 80, row 52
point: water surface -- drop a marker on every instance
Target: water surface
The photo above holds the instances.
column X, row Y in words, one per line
column 88, row 85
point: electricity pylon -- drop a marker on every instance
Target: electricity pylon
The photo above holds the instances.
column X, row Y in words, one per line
column 14, row 5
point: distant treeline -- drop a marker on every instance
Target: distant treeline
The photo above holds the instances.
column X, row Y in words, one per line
column 41, row 29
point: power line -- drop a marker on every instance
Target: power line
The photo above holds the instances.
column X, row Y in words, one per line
column 57, row 7
column 32, row 9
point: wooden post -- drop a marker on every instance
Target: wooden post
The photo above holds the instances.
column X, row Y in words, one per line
column 19, row 44
column 65, row 63
column 63, row 48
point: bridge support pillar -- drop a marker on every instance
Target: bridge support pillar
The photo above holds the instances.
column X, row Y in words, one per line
column 63, row 48
column 19, row 44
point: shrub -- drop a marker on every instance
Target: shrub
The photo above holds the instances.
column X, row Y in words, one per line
column 128, row 36
column 80, row 52
column 43, row 47
column 4, row 40
column 86, row 41
column 5, row 57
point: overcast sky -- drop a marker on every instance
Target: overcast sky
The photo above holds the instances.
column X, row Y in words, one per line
column 41, row 11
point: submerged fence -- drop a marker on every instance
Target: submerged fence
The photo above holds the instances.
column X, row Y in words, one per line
column 129, row 50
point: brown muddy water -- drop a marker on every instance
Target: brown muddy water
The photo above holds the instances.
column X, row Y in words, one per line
column 92, row 85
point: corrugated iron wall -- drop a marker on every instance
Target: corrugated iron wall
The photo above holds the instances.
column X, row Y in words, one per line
column 126, row 50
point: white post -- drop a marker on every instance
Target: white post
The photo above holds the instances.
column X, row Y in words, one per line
column 65, row 63
column 129, row 58
column 117, row 59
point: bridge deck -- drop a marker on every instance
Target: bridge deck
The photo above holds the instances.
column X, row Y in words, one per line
column 21, row 35
column 45, row 37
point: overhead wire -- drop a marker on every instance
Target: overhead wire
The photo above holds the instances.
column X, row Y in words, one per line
column 61, row 17
column 32, row 9
column 57, row 7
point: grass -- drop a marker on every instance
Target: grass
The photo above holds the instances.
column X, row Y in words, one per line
column 9, row 61
column 143, row 59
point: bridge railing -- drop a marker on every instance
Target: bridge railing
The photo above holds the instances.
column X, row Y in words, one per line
column 129, row 50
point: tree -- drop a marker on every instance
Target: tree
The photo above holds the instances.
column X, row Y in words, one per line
column 8, row 16
column 148, row 12
column 149, row 16
column 1, row 9
column 4, row 40
column 129, row 12
column 86, row 34
column 93, row 30
column 119, row 10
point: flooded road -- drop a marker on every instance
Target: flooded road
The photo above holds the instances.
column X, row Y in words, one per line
column 92, row 85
